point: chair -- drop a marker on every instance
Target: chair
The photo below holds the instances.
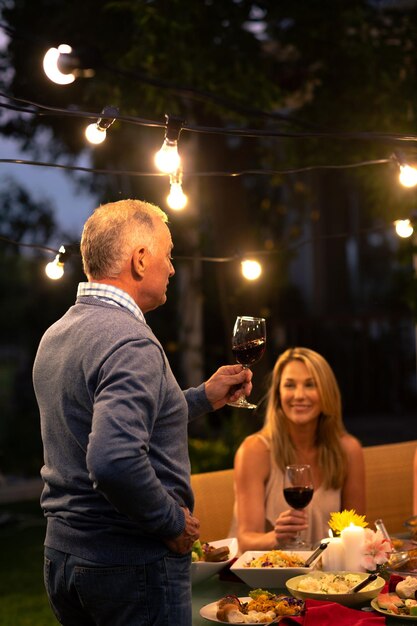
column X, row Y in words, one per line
column 389, row 484
column 214, row 499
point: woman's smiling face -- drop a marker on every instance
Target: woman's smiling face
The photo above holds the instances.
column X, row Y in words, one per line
column 300, row 398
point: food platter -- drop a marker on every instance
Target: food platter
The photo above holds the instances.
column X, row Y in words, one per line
column 209, row 612
column 347, row 599
column 201, row 570
column 267, row 577
column 376, row 607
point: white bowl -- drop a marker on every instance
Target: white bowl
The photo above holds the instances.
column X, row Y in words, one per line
column 201, row 570
column 347, row 599
column 267, row 577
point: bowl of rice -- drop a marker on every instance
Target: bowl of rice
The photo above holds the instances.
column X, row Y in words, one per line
column 271, row 569
column 334, row 587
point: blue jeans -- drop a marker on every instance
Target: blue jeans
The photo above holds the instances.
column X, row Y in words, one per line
column 85, row 593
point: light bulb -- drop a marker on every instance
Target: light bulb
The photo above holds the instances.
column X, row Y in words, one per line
column 167, row 159
column 50, row 65
column 95, row 134
column 176, row 199
column 55, row 269
column 251, row 269
column 408, row 176
column 403, row 228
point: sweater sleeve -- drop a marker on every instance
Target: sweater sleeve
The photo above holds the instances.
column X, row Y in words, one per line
column 197, row 401
column 128, row 395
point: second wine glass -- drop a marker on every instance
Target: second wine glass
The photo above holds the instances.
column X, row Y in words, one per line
column 248, row 346
column 298, row 492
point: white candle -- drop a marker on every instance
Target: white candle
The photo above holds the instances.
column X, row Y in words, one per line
column 333, row 557
column 353, row 538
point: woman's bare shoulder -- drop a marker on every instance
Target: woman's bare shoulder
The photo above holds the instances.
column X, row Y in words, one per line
column 255, row 443
column 351, row 444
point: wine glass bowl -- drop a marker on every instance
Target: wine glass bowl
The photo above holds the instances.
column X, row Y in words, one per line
column 298, row 491
column 248, row 347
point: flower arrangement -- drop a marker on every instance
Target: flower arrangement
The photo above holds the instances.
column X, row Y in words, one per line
column 376, row 548
column 342, row 519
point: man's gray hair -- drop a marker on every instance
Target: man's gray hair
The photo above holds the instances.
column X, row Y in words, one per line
column 111, row 233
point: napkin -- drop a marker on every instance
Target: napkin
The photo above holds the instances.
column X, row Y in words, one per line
column 319, row 613
column 394, row 579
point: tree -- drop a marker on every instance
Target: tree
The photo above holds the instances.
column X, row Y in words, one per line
column 301, row 69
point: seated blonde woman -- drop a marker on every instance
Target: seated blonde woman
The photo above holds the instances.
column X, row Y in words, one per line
column 303, row 424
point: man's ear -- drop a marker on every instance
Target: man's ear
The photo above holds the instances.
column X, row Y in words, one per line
column 139, row 261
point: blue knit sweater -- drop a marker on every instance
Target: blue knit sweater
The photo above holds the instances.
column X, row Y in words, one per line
column 114, row 429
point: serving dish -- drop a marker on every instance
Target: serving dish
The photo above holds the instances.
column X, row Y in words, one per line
column 268, row 577
column 347, row 599
column 209, row 612
column 376, row 607
column 201, row 570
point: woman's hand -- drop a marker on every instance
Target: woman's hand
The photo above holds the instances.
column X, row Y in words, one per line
column 289, row 523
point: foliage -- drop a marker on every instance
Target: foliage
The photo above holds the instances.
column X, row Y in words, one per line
column 23, row 601
column 298, row 69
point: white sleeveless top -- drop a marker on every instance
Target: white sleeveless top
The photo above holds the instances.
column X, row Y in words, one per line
column 324, row 502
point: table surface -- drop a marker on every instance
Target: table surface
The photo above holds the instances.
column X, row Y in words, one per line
column 213, row 589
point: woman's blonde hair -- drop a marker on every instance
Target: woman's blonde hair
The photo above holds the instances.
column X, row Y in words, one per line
column 331, row 457
column 112, row 231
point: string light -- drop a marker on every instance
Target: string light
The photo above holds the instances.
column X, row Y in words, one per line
column 52, row 66
column 62, row 65
column 167, row 159
column 251, row 269
column 176, row 199
column 96, row 132
column 404, row 228
column 408, row 174
column 55, row 269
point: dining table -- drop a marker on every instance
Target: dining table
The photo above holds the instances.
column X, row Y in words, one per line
column 219, row 585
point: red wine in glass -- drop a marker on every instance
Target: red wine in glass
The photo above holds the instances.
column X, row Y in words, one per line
column 250, row 352
column 298, row 497
column 298, row 491
column 248, row 346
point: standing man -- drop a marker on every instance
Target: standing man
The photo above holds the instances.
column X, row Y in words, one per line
column 116, row 472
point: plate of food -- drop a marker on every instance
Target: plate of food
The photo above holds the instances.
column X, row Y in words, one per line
column 210, row 558
column 400, row 603
column 261, row 607
column 335, row 587
column 270, row 569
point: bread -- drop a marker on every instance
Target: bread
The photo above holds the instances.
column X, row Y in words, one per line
column 217, row 554
column 230, row 613
column 407, row 587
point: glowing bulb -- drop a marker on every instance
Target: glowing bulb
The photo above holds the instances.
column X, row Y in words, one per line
column 95, row 134
column 167, row 159
column 403, row 228
column 176, row 199
column 408, row 176
column 50, row 65
column 55, row 269
column 251, row 269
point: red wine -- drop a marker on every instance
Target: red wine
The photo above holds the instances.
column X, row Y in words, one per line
column 249, row 352
column 298, row 497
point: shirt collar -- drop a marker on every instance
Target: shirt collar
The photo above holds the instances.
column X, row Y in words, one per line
column 113, row 294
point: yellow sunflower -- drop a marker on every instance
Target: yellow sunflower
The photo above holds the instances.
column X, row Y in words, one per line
column 340, row 520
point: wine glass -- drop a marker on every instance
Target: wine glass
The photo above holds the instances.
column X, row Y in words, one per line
column 298, row 492
column 248, row 346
